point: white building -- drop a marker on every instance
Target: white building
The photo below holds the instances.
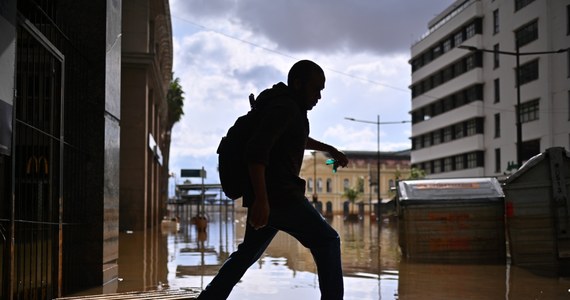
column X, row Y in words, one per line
column 464, row 102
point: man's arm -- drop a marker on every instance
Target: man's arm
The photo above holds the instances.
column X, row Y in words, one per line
column 339, row 157
column 260, row 207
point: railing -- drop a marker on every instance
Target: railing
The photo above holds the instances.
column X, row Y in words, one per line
column 446, row 19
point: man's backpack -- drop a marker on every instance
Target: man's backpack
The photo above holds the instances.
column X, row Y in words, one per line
column 233, row 170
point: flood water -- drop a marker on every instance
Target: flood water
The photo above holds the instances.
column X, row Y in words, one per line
column 372, row 264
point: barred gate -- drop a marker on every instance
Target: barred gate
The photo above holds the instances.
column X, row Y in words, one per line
column 46, row 218
column 37, row 167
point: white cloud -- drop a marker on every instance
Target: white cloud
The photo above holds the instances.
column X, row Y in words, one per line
column 226, row 49
column 321, row 25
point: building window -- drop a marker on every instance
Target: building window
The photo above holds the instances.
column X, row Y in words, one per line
column 480, row 125
column 427, row 140
column 436, row 135
column 319, row 185
column 459, row 99
column 519, row 4
column 526, row 34
column 447, row 136
column 428, row 167
column 471, row 160
column 447, row 74
column 458, row 131
column 448, row 104
column 329, row 185
column 529, row 111
column 529, row 72
column 310, row 185
column 469, row 62
column 498, row 160
column 459, row 162
column 471, row 127
column 458, row 68
column 446, row 45
column 497, row 125
column 530, row 149
column 458, row 38
column 436, row 51
column 437, row 166
column 497, row 86
column 496, row 21
column 416, row 143
column 436, row 79
column 437, row 108
column 448, row 164
column 346, row 184
column 496, row 55
column 470, row 31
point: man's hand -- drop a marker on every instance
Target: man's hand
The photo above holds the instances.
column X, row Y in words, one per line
column 259, row 215
column 339, row 158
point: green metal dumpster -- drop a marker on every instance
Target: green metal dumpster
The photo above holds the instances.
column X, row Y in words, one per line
column 452, row 220
column 538, row 213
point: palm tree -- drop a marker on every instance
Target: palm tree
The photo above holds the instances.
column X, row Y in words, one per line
column 175, row 101
column 353, row 193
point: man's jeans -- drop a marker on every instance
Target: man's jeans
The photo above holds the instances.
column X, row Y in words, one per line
column 302, row 221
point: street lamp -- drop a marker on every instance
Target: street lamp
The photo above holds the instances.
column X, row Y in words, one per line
column 378, row 123
column 517, row 55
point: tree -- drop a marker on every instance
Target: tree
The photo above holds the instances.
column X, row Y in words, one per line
column 174, row 113
column 416, row 173
column 353, row 193
column 175, row 99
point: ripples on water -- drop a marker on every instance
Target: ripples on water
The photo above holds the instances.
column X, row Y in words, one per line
column 372, row 265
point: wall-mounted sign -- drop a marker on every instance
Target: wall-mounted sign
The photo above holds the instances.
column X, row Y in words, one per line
column 37, row 165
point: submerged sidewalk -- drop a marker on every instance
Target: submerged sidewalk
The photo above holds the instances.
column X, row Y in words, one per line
column 165, row 294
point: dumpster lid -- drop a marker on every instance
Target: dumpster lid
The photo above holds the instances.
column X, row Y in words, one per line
column 533, row 161
column 450, row 189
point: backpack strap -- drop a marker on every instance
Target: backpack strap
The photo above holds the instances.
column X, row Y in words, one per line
column 251, row 100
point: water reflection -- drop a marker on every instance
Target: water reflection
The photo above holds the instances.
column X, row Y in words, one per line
column 189, row 259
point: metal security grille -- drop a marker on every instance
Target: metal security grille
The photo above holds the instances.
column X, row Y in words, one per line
column 46, row 218
column 37, row 168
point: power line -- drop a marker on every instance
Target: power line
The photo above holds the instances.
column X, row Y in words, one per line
column 288, row 55
column 363, row 79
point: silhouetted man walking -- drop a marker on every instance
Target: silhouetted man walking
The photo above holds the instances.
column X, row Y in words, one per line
column 276, row 198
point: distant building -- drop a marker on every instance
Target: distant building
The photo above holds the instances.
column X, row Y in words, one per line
column 329, row 186
column 146, row 73
column 464, row 102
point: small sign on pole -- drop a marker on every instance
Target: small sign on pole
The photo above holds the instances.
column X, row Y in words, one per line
column 201, row 173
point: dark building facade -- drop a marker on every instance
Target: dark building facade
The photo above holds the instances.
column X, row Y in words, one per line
column 59, row 146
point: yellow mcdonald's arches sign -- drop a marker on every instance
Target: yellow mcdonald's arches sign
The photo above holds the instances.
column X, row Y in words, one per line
column 37, row 164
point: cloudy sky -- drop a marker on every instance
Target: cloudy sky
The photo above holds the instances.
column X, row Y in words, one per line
column 226, row 49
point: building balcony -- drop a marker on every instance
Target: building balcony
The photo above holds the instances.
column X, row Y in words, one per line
column 447, row 22
column 466, row 144
column 465, row 112
column 458, row 83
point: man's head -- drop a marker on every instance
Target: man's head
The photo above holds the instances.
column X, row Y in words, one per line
column 308, row 80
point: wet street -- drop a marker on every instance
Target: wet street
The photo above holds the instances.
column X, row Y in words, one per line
column 373, row 267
